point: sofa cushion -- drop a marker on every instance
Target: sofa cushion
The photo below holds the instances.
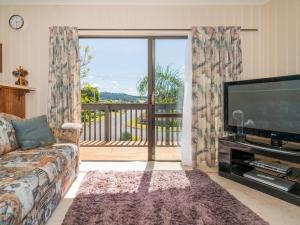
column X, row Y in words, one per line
column 33, row 132
column 67, row 132
column 26, row 176
column 9, row 117
column 8, row 141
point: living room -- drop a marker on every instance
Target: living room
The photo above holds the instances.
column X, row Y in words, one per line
column 213, row 139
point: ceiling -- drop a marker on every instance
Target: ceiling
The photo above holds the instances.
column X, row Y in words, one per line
column 133, row 2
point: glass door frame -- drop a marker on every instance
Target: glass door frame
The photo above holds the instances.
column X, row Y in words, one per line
column 151, row 115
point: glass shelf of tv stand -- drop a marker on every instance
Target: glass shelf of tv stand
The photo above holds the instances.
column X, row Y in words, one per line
column 291, row 154
column 238, row 171
column 269, row 146
column 294, row 176
column 242, row 162
column 239, row 167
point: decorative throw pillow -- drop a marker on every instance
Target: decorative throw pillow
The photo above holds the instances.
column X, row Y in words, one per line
column 8, row 141
column 33, row 132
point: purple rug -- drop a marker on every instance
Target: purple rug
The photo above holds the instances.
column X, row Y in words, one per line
column 156, row 197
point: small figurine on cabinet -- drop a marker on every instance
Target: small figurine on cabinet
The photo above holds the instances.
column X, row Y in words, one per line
column 20, row 73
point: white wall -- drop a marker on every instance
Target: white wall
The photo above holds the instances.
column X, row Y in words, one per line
column 282, row 37
column 273, row 50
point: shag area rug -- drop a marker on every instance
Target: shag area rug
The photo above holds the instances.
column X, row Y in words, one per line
column 156, row 197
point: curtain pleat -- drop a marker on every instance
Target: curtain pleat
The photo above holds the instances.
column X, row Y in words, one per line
column 186, row 145
column 64, row 76
column 217, row 57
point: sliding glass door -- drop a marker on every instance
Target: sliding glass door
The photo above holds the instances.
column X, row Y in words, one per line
column 166, row 99
column 114, row 90
column 132, row 91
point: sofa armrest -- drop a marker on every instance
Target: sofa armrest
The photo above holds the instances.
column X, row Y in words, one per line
column 68, row 132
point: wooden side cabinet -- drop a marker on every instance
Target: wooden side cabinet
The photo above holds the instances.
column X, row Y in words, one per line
column 12, row 99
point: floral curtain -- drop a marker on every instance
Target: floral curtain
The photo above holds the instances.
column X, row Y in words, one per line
column 64, row 76
column 217, row 57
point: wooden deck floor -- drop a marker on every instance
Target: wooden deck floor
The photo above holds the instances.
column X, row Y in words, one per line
column 125, row 151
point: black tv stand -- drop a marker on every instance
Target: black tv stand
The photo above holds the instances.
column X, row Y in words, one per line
column 273, row 149
column 275, row 140
column 235, row 159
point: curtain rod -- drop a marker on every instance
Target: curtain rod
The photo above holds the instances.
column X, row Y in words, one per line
column 105, row 29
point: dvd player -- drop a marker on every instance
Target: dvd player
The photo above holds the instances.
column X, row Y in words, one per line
column 272, row 181
column 275, row 167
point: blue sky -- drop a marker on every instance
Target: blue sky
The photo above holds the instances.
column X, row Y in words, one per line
column 118, row 64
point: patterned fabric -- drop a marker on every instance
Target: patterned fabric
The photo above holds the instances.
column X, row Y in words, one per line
column 217, row 57
column 67, row 134
column 32, row 182
column 9, row 117
column 8, row 141
column 64, row 76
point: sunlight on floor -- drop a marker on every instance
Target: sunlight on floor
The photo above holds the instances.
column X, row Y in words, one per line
column 85, row 167
column 273, row 210
column 118, row 166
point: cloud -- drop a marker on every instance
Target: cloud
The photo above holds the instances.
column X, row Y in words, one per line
column 90, row 76
column 115, row 85
column 96, row 85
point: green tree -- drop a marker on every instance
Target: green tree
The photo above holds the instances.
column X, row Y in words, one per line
column 89, row 94
column 85, row 59
column 168, row 85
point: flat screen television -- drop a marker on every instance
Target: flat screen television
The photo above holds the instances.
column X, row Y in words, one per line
column 268, row 107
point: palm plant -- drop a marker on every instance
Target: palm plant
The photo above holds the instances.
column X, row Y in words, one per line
column 168, row 85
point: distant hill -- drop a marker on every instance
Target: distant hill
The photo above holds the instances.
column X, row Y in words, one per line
column 118, row 97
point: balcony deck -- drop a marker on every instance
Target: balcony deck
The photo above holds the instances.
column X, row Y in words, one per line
column 119, row 132
column 125, row 151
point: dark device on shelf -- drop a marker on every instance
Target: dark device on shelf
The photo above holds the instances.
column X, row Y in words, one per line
column 268, row 107
column 272, row 181
column 275, row 167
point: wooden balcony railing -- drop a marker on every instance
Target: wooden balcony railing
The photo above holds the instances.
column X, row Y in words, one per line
column 129, row 122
